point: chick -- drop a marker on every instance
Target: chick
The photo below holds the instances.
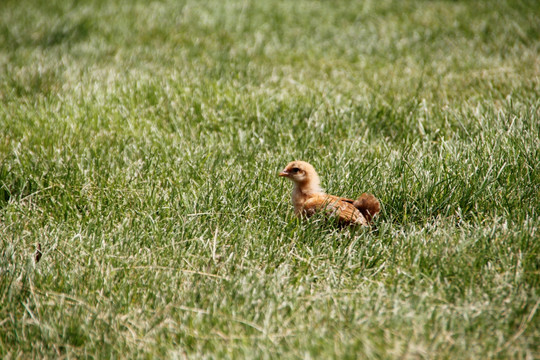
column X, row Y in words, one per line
column 308, row 198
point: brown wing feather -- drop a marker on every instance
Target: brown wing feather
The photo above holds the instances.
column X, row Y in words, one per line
column 334, row 206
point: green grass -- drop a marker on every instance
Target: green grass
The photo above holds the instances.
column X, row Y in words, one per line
column 140, row 144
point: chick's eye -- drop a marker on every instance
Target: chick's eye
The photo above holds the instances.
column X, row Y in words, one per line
column 295, row 170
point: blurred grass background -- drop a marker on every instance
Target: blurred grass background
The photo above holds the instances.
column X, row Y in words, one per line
column 140, row 143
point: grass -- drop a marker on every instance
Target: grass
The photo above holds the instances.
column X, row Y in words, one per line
column 140, row 143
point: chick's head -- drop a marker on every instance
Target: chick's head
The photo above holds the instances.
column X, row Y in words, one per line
column 300, row 172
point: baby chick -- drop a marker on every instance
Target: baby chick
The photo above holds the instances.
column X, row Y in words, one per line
column 308, row 198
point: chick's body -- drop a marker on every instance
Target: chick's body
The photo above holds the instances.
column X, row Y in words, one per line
column 308, row 198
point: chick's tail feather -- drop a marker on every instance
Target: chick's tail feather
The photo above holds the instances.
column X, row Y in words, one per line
column 368, row 205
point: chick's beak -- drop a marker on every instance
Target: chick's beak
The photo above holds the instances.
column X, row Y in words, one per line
column 284, row 173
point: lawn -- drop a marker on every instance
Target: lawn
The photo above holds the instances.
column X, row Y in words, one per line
column 140, row 144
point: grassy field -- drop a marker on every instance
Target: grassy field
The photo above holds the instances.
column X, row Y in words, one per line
column 140, row 144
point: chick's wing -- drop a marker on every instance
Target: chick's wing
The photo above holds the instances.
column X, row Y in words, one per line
column 331, row 205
